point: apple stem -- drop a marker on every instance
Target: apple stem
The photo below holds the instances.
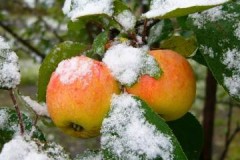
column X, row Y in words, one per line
column 20, row 120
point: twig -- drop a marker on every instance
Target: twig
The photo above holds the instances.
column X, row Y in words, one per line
column 228, row 142
column 20, row 120
column 23, row 41
column 144, row 34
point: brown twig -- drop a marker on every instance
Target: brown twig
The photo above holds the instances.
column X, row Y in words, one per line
column 144, row 34
column 20, row 120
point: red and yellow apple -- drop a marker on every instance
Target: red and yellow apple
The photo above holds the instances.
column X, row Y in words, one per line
column 173, row 93
column 79, row 94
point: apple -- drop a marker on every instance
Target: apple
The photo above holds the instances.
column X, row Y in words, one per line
column 79, row 94
column 173, row 94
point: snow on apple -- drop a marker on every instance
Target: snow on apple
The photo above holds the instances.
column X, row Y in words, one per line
column 135, row 136
column 128, row 63
column 40, row 109
column 9, row 67
column 75, row 8
column 161, row 7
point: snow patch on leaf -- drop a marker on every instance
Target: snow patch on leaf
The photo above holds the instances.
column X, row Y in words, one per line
column 127, row 134
column 3, row 117
column 237, row 31
column 126, row 19
column 128, row 63
column 9, row 67
column 162, row 7
column 231, row 59
column 207, row 51
column 78, row 8
column 40, row 109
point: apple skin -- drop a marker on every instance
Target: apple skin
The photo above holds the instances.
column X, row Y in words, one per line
column 78, row 109
column 173, row 94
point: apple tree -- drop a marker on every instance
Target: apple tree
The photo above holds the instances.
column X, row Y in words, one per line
column 114, row 40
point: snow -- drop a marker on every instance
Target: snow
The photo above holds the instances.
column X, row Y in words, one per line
column 32, row 3
column 23, row 148
column 19, row 149
column 128, row 63
column 237, row 31
column 207, row 51
column 72, row 69
column 9, row 68
column 162, row 7
column 3, row 118
column 126, row 19
column 231, row 59
column 39, row 109
column 127, row 133
column 75, row 8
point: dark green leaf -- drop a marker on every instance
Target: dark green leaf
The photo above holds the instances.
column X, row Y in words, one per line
column 60, row 52
column 9, row 126
column 189, row 134
column 219, row 39
column 131, row 128
column 100, row 42
column 198, row 57
column 160, row 31
column 119, row 7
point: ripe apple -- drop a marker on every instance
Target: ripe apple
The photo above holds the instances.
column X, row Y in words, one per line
column 173, row 93
column 79, row 94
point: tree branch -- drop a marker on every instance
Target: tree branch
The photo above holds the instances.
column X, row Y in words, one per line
column 24, row 42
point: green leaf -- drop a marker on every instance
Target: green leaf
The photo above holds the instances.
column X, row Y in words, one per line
column 60, row 52
column 166, row 8
column 189, row 133
column 9, row 126
column 99, row 43
column 160, row 31
column 132, row 130
column 218, row 37
column 119, row 7
column 198, row 57
column 182, row 45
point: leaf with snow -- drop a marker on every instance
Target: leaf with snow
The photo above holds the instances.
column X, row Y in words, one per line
column 9, row 67
column 172, row 8
column 217, row 33
column 60, row 52
column 9, row 126
column 128, row 63
column 39, row 109
column 90, row 155
column 25, row 148
column 133, row 131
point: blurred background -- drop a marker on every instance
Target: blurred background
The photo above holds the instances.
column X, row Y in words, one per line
column 34, row 27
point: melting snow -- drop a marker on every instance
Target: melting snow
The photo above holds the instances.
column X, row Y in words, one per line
column 77, row 8
column 72, row 69
column 128, row 134
column 128, row 63
column 40, row 109
column 9, row 68
column 126, row 19
column 161, row 7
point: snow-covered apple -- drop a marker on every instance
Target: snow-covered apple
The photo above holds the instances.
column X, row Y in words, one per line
column 79, row 94
column 173, row 94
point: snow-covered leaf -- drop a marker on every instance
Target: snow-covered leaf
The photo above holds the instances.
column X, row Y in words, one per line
column 186, row 129
column 9, row 67
column 160, row 31
column 133, row 131
column 172, row 8
column 128, row 63
column 217, row 31
column 9, row 126
column 90, row 155
column 60, row 52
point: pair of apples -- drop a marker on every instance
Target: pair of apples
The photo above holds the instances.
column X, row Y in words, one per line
column 79, row 107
